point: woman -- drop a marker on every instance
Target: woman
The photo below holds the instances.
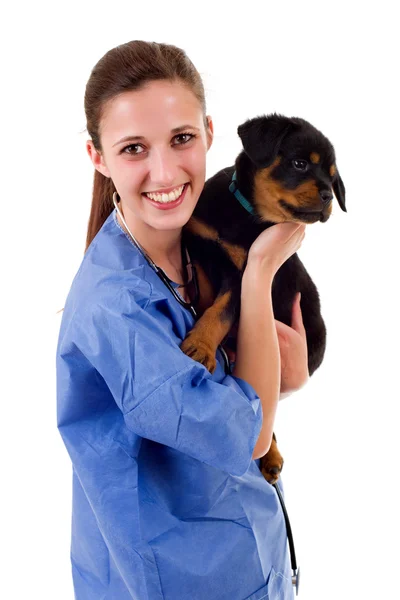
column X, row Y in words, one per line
column 168, row 500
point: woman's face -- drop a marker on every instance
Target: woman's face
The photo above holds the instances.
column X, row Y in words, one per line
column 155, row 142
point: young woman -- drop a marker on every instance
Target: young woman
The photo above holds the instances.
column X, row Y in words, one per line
column 168, row 500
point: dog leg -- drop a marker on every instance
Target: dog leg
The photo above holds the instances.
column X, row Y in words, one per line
column 202, row 341
column 271, row 463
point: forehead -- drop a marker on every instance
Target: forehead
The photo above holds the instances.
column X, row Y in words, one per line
column 154, row 108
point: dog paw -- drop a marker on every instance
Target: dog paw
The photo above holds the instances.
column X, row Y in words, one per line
column 199, row 350
column 271, row 466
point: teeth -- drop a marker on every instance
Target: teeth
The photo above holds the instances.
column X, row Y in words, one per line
column 164, row 198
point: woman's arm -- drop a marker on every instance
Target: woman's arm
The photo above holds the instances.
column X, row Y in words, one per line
column 257, row 350
column 258, row 359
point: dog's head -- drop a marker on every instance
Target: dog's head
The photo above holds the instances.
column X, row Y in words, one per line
column 295, row 172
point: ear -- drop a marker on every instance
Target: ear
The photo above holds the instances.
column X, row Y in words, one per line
column 262, row 137
column 209, row 131
column 97, row 159
column 340, row 191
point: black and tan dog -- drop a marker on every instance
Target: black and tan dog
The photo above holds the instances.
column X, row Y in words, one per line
column 286, row 172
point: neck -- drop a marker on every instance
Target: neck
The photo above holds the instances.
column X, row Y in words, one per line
column 163, row 247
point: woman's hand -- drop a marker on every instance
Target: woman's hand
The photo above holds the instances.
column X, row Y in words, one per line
column 275, row 245
column 293, row 351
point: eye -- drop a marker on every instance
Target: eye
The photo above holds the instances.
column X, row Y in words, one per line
column 137, row 149
column 300, row 165
column 183, row 138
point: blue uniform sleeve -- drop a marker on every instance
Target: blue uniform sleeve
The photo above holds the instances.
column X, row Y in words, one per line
column 165, row 395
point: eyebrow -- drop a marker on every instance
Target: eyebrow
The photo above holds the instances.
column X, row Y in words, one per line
column 138, row 138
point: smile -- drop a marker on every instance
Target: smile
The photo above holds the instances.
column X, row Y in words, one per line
column 164, row 197
column 174, row 198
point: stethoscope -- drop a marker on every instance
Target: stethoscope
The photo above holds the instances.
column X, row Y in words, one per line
column 189, row 306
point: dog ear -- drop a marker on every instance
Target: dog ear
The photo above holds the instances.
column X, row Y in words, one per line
column 340, row 191
column 262, row 137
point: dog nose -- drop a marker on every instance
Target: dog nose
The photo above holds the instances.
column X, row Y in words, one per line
column 326, row 196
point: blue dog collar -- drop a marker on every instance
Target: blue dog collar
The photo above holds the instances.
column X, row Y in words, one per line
column 234, row 189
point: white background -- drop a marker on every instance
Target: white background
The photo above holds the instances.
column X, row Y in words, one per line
column 333, row 64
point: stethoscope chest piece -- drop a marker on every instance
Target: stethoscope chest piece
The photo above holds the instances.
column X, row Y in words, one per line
column 296, row 580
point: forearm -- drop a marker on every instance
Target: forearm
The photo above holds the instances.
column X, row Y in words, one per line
column 257, row 353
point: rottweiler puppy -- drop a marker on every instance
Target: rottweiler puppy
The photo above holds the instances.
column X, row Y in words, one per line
column 286, row 172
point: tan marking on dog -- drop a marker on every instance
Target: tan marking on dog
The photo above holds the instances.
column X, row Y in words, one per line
column 315, row 157
column 272, row 460
column 236, row 253
column 203, row 340
column 197, row 227
column 206, row 292
column 332, row 170
column 214, row 328
column 304, row 193
column 268, row 192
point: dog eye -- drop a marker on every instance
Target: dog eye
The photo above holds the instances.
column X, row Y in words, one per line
column 300, row 165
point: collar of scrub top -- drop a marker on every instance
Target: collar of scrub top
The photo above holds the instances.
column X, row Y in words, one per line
column 186, row 261
column 160, row 272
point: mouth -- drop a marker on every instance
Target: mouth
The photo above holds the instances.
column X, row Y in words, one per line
column 311, row 215
column 164, row 200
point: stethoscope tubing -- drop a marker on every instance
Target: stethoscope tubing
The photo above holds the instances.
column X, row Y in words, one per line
column 165, row 279
column 296, row 571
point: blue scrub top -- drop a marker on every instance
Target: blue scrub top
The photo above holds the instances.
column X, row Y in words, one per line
column 168, row 503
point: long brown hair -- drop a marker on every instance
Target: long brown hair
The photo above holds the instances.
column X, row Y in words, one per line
column 125, row 68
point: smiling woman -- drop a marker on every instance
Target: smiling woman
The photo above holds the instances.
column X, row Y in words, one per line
column 168, row 499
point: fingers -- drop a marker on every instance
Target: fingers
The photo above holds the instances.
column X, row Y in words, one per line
column 301, row 232
column 297, row 317
column 297, row 324
column 276, row 244
column 281, row 328
column 297, row 234
column 294, row 228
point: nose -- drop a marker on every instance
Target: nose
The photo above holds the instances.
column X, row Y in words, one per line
column 162, row 167
column 326, row 196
